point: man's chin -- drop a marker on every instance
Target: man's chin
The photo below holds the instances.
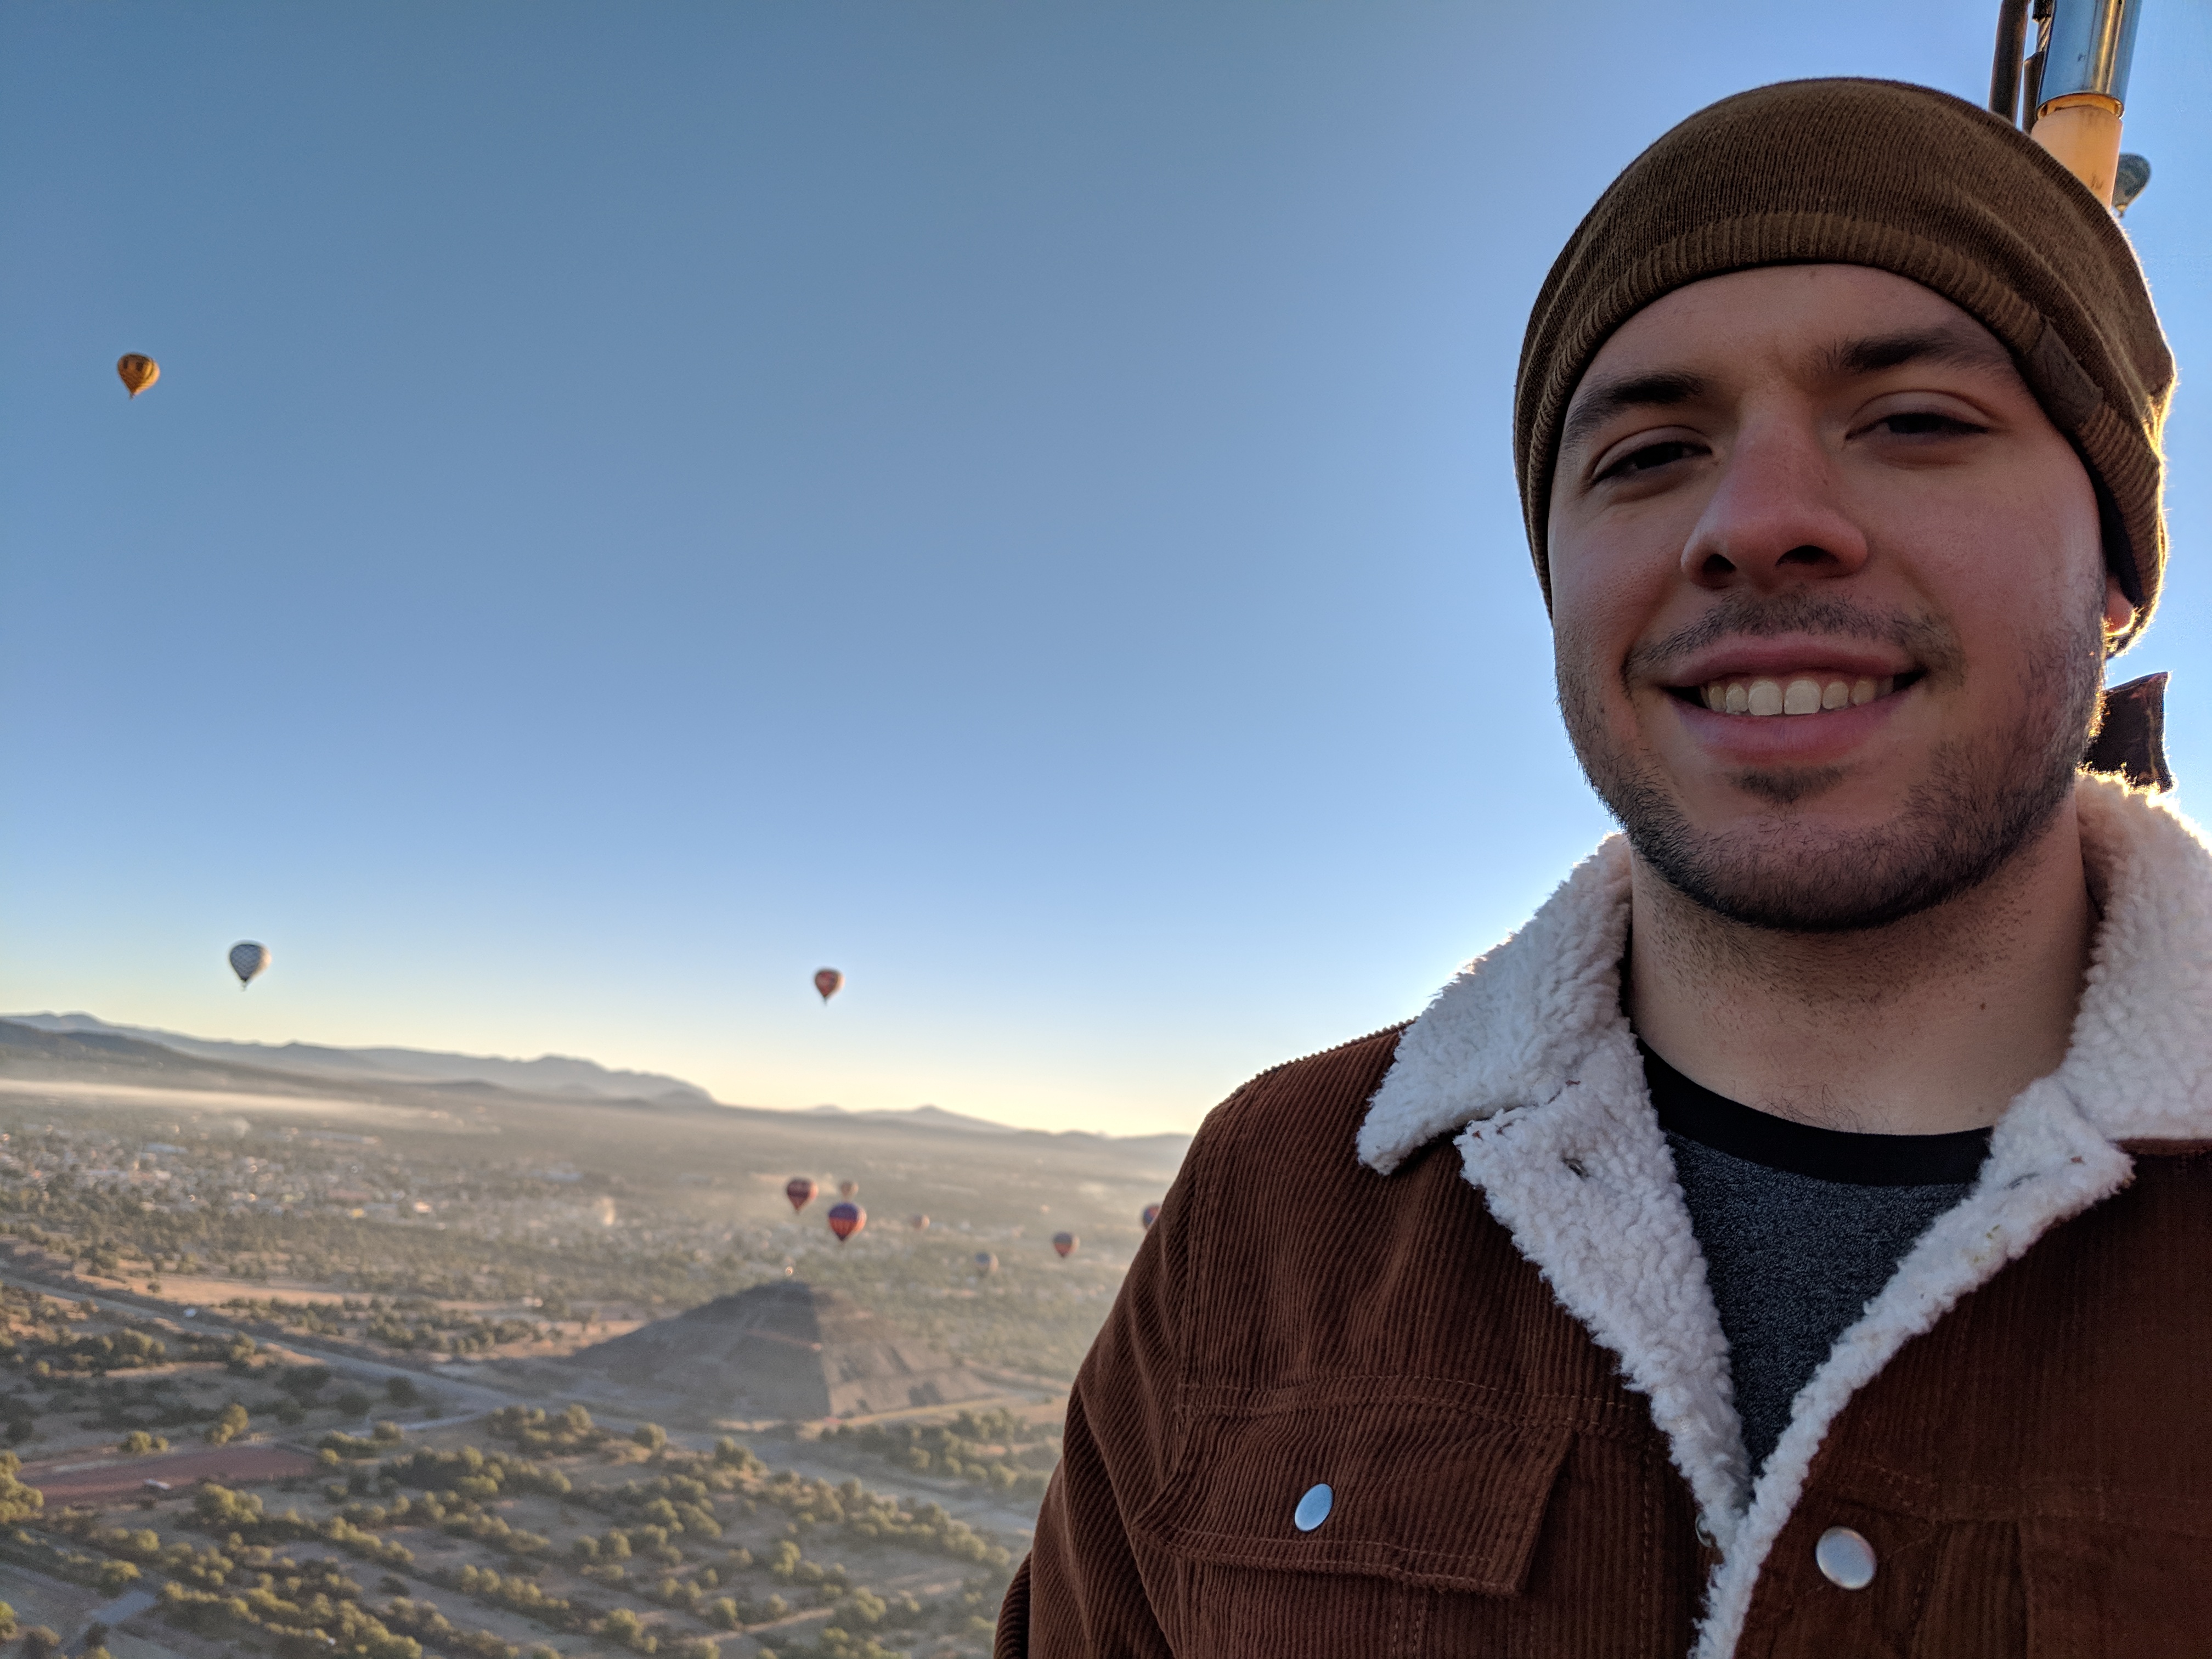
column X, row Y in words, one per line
column 1818, row 866
column 1790, row 786
column 1794, row 877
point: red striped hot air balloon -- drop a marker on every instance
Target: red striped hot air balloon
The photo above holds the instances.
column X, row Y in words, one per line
column 1065, row 1243
column 828, row 981
column 1151, row 1214
column 846, row 1219
column 800, row 1191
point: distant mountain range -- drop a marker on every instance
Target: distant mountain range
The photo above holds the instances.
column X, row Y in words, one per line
column 935, row 1117
column 551, row 1076
column 83, row 1045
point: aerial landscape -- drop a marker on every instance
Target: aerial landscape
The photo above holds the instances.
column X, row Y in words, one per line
column 390, row 1352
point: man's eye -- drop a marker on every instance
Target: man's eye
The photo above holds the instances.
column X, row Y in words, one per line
column 1925, row 423
column 1650, row 458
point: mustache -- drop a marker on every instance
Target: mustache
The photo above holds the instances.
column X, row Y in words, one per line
column 1924, row 637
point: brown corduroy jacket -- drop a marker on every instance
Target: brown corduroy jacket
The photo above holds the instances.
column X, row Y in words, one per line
column 1500, row 1356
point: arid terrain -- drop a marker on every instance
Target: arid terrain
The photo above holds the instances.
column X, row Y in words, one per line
column 373, row 1361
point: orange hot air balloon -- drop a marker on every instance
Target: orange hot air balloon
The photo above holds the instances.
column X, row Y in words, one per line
column 137, row 372
column 828, row 981
column 1065, row 1243
column 1151, row 1214
column 985, row 1263
column 919, row 1223
column 846, row 1219
column 800, row 1191
column 848, row 1189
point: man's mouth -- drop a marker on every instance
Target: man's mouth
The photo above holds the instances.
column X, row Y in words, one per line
column 1809, row 691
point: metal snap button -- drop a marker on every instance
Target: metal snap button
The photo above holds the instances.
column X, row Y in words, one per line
column 1844, row 1557
column 1313, row 1509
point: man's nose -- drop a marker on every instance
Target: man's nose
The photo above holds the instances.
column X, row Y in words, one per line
column 1776, row 516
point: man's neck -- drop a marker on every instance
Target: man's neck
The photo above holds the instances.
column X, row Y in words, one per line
column 1926, row 1025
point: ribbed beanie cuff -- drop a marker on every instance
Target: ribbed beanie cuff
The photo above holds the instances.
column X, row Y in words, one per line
column 1902, row 179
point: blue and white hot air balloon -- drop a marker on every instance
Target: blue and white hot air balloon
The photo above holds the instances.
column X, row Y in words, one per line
column 247, row 959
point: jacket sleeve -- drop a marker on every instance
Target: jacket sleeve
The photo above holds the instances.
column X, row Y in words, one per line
column 1083, row 1592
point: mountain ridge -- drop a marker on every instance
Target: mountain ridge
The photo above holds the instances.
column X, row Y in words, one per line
column 558, row 1075
column 83, row 1040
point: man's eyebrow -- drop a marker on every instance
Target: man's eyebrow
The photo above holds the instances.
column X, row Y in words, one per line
column 1961, row 348
column 1597, row 404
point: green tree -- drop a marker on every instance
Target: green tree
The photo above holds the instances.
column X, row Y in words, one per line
column 624, row 1626
column 228, row 1426
column 650, row 1436
column 17, row 1501
column 116, row 1576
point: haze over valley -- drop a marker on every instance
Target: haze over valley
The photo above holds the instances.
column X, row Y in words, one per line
column 280, row 1309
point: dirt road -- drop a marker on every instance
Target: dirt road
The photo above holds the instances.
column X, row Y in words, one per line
column 80, row 1480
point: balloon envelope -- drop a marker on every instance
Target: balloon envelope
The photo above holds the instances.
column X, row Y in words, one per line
column 247, row 959
column 137, row 372
column 1151, row 1214
column 986, row 1263
column 800, row 1191
column 828, row 981
column 846, row 1219
column 1065, row 1243
column 919, row 1223
column 848, row 1189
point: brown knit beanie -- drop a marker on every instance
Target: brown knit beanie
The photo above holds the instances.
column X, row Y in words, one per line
column 1905, row 180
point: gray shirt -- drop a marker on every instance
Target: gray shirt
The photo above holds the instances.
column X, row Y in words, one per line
column 1800, row 1227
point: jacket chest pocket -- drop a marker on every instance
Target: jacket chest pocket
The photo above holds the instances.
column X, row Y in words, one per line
column 1345, row 1519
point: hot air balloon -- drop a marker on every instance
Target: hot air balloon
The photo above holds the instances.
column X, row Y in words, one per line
column 848, row 1189
column 138, row 372
column 846, row 1219
column 1065, row 1243
column 919, row 1223
column 247, row 959
column 1151, row 1214
column 985, row 1263
column 800, row 1191
column 828, row 981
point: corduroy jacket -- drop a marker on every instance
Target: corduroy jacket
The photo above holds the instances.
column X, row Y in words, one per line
column 1447, row 1272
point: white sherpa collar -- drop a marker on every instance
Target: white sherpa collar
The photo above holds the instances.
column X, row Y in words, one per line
column 1527, row 1054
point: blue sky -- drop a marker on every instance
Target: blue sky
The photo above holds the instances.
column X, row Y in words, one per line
column 1011, row 500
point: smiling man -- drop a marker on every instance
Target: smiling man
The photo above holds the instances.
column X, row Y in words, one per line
column 1797, row 1239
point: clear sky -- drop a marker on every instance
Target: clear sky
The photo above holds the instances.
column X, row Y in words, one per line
column 1011, row 501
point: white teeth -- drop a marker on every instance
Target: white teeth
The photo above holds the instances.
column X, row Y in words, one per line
column 1803, row 694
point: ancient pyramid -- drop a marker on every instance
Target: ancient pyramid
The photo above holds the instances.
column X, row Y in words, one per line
column 783, row 1350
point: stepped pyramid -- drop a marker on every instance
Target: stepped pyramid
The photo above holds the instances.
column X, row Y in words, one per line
column 783, row 1350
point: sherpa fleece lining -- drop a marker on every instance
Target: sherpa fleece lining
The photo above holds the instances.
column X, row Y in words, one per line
column 1527, row 1054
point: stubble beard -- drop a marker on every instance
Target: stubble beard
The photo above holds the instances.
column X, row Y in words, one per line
column 1983, row 799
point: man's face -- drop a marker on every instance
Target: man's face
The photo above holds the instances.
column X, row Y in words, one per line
column 1827, row 588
